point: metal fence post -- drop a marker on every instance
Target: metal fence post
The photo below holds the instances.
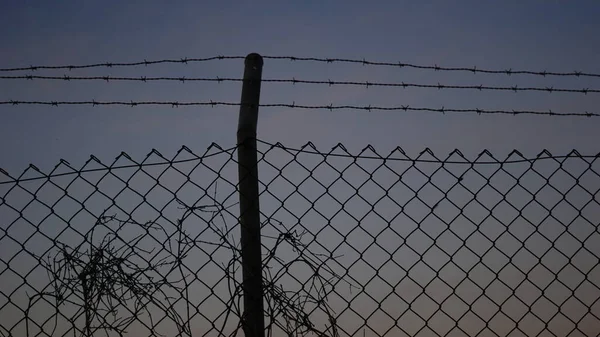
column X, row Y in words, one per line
column 253, row 317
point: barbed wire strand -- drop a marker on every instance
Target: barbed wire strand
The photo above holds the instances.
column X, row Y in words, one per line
column 365, row 62
column 330, row 107
column 122, row 64
column 435, row 67
column 294, row 81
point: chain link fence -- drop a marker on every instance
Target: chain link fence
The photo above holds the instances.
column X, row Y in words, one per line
column 353, row 244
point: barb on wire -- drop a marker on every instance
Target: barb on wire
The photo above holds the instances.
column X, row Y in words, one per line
column 122, row 64
column 474, row 69
column 330, row 107
column 400, row 64
column 330, row 83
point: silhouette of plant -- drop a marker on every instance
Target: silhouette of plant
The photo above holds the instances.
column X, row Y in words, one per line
column 111, row 282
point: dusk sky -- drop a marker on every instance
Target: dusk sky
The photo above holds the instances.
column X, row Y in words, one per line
column 537, row 35
column 553, row 36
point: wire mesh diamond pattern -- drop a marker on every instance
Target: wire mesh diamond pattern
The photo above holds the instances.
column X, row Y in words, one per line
column 353, row 244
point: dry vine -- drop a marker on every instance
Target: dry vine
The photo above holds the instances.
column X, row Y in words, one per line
column 102, row 279
column 112, row 282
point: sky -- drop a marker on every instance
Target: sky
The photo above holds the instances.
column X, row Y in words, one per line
column 558, row 36
column 553, row 35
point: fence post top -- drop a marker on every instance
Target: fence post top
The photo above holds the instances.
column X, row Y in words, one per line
column 253, row 59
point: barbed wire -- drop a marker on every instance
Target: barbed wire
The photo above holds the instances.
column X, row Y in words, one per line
column 435, row 67
column 123, row 64
column 331, row 107
column 294, row 81
column 365, row 62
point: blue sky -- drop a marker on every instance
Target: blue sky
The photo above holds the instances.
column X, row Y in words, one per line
column 537, row 35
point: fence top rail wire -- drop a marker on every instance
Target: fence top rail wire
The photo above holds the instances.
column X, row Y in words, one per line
column 399, row 154
column 485, row 157
column 364, row 62
column 209, row 152
column 293, row 105
column 366, row 84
